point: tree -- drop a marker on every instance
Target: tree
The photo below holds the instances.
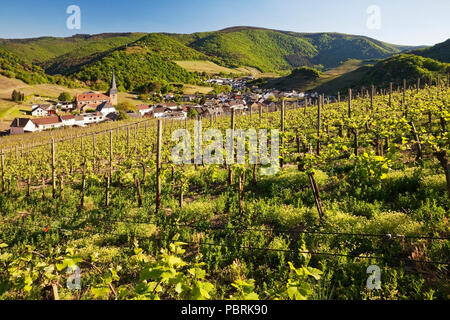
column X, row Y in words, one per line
column 126, row 106
column 122, row 116
column 192, row 113
column 65, row 96
column 17, row 96
column 14, row 96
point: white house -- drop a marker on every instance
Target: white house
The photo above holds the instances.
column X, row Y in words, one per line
column 22, row 125
column 68, row 120
column 79, row 121
column 42, row 110
column 47, row 123
column 106, row 108
column 93, row 117
column 144, row 109
column 159, row 112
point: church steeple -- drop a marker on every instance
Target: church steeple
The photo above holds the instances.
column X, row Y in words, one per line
column 113, row 86
column 112, row 93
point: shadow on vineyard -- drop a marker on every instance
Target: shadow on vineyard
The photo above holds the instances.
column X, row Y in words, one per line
column 363, row 182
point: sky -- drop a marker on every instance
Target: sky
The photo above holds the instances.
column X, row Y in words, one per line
column 406, row 22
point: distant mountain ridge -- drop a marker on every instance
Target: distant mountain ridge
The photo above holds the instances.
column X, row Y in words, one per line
column 91, row 58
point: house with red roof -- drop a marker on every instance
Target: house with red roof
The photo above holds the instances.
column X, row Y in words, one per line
column 91, row 100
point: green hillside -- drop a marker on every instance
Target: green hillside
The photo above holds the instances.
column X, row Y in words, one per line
column 404, row 66
column 357, row 73
column 266, row 50
column 14, row 67
column 440, row 52
column 133, row 70
column 278, row 51
column 140, row 58
column 40, row 50
column 393, row 69
column 299, row 78
column 334, row 48
column 166, row 47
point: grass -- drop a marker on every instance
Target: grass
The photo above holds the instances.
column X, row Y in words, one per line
column 192, row 89
column 129, row 98
column 346, row 73
column 205, row 66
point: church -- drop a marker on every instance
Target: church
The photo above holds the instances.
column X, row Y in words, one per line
column 91, row 100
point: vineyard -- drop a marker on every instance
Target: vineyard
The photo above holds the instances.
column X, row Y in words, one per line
column 363, row 181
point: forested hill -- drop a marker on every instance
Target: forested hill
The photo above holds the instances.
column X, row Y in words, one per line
column 440, row 52
column 139, row 57
column 271, row 50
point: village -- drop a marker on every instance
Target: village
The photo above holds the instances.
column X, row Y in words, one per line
column 92, row 107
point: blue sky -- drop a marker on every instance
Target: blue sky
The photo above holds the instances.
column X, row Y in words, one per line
column 411, row 22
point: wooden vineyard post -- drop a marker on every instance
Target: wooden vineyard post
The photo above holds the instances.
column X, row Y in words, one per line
column 83, row 185
column 107, row 186
column 404, row 92
column 241, row 193
column 232, row 126
column 260, row 114
column 315, row 190
column 158, row 166
column 316, row 194
column 318, row 124
column 138, row 190
column 94, row 142
column 356, row 141
column 29, row 188
column 349, row 103
column 181, row 195
column 3, row 170
column 418, row 85
column 306, row 105
column 418, row 143
column 128, row 139
column 282, row 131
column 110, row 153
column 349, row 109
column 53, row 169
column 372, row 93
column 390, row 94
